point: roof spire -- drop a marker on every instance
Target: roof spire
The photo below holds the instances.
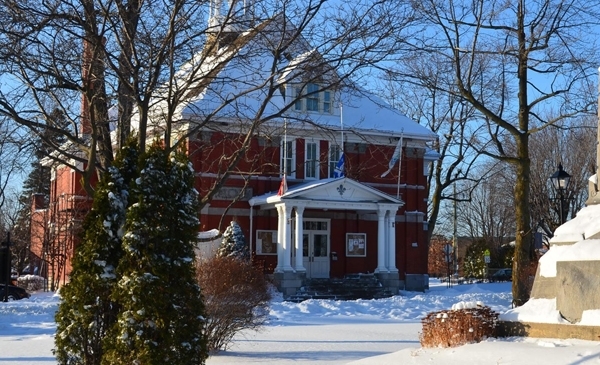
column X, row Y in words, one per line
column 237, row 16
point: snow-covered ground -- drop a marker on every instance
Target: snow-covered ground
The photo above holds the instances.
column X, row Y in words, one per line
column 382, row 331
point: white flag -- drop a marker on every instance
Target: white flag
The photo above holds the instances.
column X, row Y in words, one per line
column 395, row 157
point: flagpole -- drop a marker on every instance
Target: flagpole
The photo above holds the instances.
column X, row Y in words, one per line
column 283, row 184
column 284, row 147
column 400, row 164
column 342, row 124
column 339, row 166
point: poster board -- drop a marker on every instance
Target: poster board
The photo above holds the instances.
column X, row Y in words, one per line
column 266, row 242
column 356, row 244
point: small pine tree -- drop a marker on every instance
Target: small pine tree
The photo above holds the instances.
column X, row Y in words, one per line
column 474, row 262
column 86, row 311
column 161, row 319
column 233, row 243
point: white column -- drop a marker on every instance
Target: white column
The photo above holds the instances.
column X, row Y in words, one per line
column 280, row 220
column 287, row 237
column 299, row 238
column 381, row 268
column 391, row 263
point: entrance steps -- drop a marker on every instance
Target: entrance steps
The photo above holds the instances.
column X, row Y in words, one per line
column 351, row 287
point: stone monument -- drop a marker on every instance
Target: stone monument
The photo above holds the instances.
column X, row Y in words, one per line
column 570, row 271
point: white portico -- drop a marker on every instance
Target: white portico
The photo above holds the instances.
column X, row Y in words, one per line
column 340, row 194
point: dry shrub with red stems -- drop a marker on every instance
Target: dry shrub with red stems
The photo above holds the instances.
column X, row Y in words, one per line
column 451, row 328
column 236, row 297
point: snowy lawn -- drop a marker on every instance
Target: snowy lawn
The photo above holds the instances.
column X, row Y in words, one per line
column 382, row 331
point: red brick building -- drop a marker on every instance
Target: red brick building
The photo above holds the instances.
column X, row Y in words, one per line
column 372, row 220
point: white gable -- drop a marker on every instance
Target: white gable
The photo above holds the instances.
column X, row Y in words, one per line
column 335, row 193
column 343, row 189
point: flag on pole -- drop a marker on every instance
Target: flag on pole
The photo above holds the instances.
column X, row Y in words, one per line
column 339, row 167
column 282, row 187
column 395, row 157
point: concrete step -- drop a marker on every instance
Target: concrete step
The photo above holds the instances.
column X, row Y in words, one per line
column 351, row 287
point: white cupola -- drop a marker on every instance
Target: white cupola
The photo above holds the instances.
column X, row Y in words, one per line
column 235, row 16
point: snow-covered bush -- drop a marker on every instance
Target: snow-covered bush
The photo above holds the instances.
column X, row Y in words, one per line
column 161, row 315
column 133, row 296
column 88, row 310
column 467, row 322
column 31, row 282
column 233, row 243
column 236, row 297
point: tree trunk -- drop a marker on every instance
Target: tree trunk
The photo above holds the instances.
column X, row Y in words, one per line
column 522, row 257
column 523, row 237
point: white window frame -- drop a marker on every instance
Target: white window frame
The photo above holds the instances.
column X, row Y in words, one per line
column 326, row 103
column 298, row 99
column 335, row 151
column 304, row 102
column 312, row 100
column 291, row 166
column 311, row 163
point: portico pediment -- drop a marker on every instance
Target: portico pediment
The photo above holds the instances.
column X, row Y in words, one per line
column 343, row 189
column 337, row 192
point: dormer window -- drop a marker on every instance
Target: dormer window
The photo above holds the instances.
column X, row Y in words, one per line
column 310, row 99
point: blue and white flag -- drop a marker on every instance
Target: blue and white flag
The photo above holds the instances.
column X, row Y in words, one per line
column 339, row 168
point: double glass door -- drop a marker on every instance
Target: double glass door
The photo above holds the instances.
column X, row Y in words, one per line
column 315, row 248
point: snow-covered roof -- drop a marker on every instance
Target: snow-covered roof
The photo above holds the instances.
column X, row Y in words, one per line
column 243, row 82
column 431, row 155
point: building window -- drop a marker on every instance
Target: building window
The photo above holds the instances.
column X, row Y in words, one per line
column 311, row 99
column 335, row 152
column 327, row 102
column 311, row 170
column 297, row 97
column 287, row 158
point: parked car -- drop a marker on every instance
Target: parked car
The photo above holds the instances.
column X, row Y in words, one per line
column 14, row 292
column 501, row 275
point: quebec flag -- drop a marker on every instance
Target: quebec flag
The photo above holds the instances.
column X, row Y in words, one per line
column 339, row 168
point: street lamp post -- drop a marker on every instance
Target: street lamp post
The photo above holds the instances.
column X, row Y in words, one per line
column 448, row 256
column 7, row 245
column 560, row 180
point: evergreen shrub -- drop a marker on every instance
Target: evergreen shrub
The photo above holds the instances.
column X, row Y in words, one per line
column 133, row 297
column 233, row 243
column 87, row 310
column 161, row 318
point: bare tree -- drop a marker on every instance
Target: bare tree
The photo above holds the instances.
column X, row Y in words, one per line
column 437, row 264
column 513, row 61
column 132, row 65
column 488, row 214
column 14, row 153
column 118, row 69
column 569, row 145
column 424, row 100
column 10, row 222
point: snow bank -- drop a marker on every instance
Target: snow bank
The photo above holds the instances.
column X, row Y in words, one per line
column 535, row 310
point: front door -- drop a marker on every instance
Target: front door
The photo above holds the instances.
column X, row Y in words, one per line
column 315, row 249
